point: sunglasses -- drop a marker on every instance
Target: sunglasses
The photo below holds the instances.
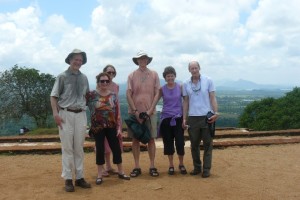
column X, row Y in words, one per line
column 104, row 81
column 112, row 73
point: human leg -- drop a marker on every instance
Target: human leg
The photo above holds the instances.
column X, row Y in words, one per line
column 136, row 156
column 66, row 137
column 151, row 151
column 136, row 152
column 100, row 170
column 178, row 133
column 171, row 170
column 109, row 169
column 207, row 155
column 79, row 138
column 194, row 134
column 113, row 141
column 168, row 141
column 167, row 136
column 99, row 143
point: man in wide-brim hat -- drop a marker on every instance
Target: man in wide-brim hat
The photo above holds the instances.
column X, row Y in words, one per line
column 142, row 91
column 68, row 104
column 75, row 52
column 141, row 54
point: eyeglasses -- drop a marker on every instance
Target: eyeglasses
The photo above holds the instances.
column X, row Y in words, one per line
column 111, row 73
column 104, row 81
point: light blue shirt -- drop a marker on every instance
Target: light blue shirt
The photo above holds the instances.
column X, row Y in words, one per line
column 199, row 102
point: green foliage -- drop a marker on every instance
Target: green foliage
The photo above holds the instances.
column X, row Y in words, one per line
column 231, row 106
column 23, row 91
column 273, row 114
column 44, row 131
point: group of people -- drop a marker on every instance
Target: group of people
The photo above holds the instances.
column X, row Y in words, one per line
column 184, row 107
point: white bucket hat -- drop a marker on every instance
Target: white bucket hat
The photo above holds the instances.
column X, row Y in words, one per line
column 141, row 53
column 76, row 51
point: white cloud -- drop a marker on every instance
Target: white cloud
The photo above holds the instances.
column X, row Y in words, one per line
column 248, row 39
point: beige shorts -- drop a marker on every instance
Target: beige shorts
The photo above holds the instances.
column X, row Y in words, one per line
column 152, row 127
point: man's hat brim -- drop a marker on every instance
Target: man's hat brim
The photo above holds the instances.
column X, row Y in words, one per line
column 76, row 51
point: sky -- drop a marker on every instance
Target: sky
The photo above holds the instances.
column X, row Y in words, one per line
column 254, row 40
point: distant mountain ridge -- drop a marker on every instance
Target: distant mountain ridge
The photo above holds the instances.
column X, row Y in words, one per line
column 230, row 85
column 247, row 85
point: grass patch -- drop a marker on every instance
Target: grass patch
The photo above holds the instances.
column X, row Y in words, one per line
column 43, row 131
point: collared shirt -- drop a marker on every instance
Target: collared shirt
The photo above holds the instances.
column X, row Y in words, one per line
column 199, row 101
column 71, row 88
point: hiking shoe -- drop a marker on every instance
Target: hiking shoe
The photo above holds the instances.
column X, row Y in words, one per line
column 195, row 172
column 69, row 187
column 205, row 174
column 82, row 183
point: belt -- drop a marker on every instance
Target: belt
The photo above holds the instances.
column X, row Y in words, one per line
column 72, row 110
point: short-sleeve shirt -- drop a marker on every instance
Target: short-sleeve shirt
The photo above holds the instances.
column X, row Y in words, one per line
column 104, row 110
column 71, row 88
column 143, row 86
column 199, row 101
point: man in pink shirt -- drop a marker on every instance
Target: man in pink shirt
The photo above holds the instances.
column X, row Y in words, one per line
column 142, row 90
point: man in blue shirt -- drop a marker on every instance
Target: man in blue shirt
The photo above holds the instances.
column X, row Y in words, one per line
column 199, row 99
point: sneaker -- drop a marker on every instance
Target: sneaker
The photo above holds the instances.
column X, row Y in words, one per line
column 69, row 187
column 82, row 183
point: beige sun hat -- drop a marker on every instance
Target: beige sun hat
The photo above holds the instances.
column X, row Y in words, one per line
column 76, row 51
column 141, row 53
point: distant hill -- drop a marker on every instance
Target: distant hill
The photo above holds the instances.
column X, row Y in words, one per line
column 248, row 85
column 231, row 85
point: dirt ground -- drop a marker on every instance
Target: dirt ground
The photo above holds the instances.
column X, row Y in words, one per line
column 254, row 172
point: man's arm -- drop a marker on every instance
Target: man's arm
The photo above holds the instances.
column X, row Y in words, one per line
column 185, row 110
column 131, row 104
column 158, row 94
column 55, row 108
column 214, row 104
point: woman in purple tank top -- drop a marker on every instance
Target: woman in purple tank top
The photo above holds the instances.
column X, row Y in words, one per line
column 171, row 120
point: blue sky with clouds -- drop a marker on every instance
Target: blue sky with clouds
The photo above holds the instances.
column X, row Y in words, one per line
column 255, row 40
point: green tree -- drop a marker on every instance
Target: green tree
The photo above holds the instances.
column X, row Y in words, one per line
column 273, row 114
column 26, row 91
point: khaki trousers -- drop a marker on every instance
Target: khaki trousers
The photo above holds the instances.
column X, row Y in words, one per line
column 72, row 136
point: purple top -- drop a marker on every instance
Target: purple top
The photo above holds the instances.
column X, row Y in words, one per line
column 172, row 103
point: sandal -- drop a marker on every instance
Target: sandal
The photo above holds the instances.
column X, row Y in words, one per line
column 182, row 169
column 111, row 171
column 124, row 177
column 153, row 172
column 99, row 181
column 171, row 171
column 136, row 172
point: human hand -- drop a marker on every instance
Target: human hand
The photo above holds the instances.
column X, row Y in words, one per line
column 58, row 121
column 137, row 116
column 184, row 125
column 213, row 118
column 119, row 134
